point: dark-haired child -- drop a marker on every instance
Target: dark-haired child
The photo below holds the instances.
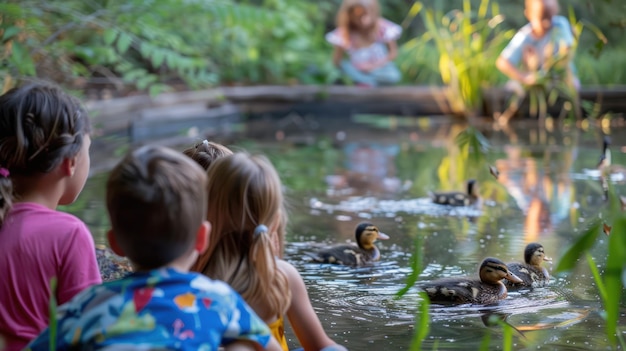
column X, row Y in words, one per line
column 157, row 206
column 44, row 163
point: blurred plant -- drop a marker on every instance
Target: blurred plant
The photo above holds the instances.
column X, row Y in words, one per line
column 612, row 222
column 468, row 44
column 157, row 45
column 422, row 317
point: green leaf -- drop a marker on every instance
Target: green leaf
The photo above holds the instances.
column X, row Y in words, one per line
column 10, row 32
column 109, row 36
column 158, row 57
column 584, row 243
column 123, row 42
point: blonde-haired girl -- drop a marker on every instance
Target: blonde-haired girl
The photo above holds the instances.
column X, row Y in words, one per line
column 370, row 42
column 246, row 210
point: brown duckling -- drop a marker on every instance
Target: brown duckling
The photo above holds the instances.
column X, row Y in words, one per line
column 531, row 272
column 352, row 255
column 486, row 290
column 457, row 198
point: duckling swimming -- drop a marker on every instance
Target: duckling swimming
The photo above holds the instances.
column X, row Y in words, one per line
column 616, row 173
column 457, row 198
column 486, row 290
column 531, row 272
column 352, row 255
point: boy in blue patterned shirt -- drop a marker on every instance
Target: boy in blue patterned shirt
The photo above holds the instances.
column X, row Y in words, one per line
column 157, row 206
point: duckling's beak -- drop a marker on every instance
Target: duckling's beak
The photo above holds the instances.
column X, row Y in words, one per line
column 546, row 258
column 513, row 278
column 382, row 236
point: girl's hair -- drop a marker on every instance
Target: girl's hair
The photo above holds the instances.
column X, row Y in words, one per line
column 343, row 18
column 40, row 125
column 245, row 192
column 206, row 152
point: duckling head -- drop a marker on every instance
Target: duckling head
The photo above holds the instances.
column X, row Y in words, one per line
column 471, row 188
column 367, row 233
column 534, row 254
column 605, row 158
column 492, row 270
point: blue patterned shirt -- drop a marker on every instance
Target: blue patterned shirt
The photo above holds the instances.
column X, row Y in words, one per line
column 162, row 309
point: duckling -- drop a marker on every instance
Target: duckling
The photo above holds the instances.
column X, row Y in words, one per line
column 352, row 255
column 457, row 198
column 531, row 272
column 489, row 289
column 616, row 173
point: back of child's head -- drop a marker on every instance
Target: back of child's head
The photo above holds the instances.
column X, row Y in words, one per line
column 206, row 152
column 245, row 200
column 40, row 125
column 156, row 199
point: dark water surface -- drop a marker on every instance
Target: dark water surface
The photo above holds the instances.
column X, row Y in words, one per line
column 340, row 171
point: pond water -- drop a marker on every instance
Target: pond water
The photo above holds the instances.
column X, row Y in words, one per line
column 338, row 172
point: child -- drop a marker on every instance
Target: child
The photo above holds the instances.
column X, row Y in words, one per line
column 370, row 42
column 157, row 209
column 541, row 45
column 44, row 162
column 204, row 154
column 245, row 208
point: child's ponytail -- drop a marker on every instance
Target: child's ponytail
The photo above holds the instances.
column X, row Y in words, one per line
column 272, row 285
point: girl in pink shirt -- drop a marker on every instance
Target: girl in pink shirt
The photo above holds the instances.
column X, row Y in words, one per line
column 44, row 162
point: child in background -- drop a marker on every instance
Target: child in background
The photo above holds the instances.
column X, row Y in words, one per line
column 157, row 206
column 542, row 45
column 245, row 208
column 44, row 163
column 370, row 42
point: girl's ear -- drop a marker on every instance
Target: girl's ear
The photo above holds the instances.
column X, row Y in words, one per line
column 115, row 247
column 68, row 165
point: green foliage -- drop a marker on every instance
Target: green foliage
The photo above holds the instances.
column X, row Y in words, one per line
column 613, row 223
column 468, row 43
column 156, row 45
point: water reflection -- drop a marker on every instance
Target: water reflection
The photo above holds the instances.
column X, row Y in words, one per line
column 383, row 174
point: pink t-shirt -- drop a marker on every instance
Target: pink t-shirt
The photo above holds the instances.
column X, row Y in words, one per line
column 36, row 244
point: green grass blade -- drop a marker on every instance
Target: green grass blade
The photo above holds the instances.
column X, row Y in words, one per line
column 416, row 266
column 596, row 277
column 613, row 275
column 52, row 309
column 582, row 244
column 422, row 323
